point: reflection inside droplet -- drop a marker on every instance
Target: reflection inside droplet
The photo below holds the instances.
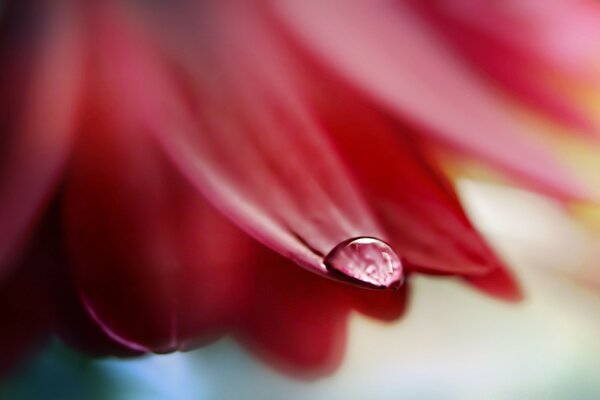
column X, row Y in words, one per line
column 367, row 261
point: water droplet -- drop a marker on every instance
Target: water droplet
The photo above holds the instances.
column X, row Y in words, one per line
column 367, row 261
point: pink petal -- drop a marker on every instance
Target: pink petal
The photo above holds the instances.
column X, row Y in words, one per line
column 245, row 138
column 37, row 126
column 531, row 47
column 390, row 52
column 561, row 34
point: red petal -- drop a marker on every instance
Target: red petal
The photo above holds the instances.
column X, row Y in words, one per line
column 384, row 305
column 144, row 245
column 74, row 326
column 258, row 132
column 252, row 147
column 296, row 321
column 69, row 320
column 154, row 265
column 413, row 199
column 39, row 113
column 391, row 53
column 499, row 283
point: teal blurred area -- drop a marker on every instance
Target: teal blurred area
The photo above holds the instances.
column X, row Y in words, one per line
column 60, row 373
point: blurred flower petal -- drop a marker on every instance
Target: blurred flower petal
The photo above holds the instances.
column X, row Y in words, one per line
column 304, row 327
column 535, row 48
column 267, row 122
column 40, row 73
column 297, row 321
column 499, row 283
column 143, row 242
column 389, row 51
column 70, row 321
column 251, row 146
column 413, row 199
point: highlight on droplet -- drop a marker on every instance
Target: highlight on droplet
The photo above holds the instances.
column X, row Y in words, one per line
column 366, row 261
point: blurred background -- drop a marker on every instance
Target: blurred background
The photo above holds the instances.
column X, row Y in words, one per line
column 452, row 343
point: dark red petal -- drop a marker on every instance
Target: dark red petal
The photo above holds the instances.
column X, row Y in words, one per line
column 68, row 319
column 384, row 305
column 294, row 319
column 40, row 81
column 389, row 51
column 75, row 327
column 154, row 265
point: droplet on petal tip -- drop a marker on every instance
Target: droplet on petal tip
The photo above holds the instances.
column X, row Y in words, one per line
column 366, row 261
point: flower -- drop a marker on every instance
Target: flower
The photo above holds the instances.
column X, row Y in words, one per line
column 166, row 166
